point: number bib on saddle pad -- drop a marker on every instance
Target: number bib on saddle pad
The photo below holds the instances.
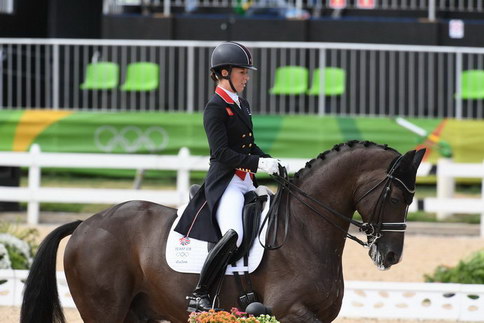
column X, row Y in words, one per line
column 188, row 255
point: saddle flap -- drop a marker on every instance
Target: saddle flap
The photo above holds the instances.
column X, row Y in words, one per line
column 253, row 206
column 188, row 255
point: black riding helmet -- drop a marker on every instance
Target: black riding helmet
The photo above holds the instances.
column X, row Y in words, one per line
column 228, row 55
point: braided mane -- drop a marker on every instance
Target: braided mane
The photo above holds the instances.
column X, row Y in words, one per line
column 338, row 147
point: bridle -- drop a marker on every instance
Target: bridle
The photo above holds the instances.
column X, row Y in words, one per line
column 373, row 228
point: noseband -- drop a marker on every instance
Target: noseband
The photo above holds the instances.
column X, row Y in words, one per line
column 375, row 225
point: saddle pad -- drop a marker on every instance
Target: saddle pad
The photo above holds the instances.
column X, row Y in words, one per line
column 190, row 257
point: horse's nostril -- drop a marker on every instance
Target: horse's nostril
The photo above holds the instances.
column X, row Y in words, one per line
column 391, row 258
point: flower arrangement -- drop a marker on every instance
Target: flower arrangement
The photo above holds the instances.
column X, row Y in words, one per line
column 225, row 317
column 17, row 247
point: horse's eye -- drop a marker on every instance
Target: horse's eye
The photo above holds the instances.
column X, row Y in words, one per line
column 394, row 200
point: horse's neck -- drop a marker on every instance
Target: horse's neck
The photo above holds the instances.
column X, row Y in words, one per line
column 331, row 184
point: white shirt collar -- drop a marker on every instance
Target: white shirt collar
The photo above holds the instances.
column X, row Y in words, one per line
column 234, row 96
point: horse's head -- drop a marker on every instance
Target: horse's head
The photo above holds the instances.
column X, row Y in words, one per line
column 383, row 204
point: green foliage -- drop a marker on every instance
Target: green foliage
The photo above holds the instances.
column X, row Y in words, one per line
column 29, row 235
column 17, row 246
column 17, row 259
column 467, row 271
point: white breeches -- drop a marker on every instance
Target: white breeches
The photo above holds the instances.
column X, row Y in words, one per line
column 229, row 211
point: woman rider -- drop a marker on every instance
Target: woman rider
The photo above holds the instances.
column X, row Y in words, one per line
column 215, row 212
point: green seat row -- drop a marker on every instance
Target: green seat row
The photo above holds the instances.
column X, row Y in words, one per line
column 294, row 80
column 140, row 76
column 472, row 84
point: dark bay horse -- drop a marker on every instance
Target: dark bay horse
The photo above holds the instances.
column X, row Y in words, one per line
column 115, row 260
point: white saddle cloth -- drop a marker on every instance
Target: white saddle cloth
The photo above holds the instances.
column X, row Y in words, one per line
column 188, row 256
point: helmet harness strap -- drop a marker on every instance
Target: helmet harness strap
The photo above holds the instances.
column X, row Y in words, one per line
column 227, row 77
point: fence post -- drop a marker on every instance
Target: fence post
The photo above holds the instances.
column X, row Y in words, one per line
column 166, row 8
column 458, row 85
column 432, row 10
column 322, row 94
column 190, row 79
column 34, row 185
column 55, row 76
column 482, row 197
column 183, row 175
column 445, row 185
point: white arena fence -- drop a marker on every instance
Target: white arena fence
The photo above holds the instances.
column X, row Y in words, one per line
column 432, row 7
column 384, row 300
column 444, row 203
column 379, row 80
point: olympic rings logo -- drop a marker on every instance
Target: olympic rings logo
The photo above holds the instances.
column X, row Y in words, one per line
column 130, row 139
column 182, row 254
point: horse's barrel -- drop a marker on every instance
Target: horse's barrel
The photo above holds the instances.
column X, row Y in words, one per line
column 257, row 309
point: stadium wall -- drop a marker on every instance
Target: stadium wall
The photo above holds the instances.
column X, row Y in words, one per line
column 349, row 29
column 84, row 19
column 53, row 19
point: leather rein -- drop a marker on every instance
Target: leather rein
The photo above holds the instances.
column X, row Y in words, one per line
column 373, row 228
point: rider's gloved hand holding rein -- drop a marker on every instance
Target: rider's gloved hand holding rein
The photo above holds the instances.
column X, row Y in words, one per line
column 269, row 165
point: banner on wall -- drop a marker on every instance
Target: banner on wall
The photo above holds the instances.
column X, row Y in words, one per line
column 282, row 136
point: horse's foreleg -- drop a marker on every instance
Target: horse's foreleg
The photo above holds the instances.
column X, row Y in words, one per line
column 300, row 316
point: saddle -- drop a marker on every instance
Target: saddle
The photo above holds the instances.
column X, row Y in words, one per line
column 253, row 204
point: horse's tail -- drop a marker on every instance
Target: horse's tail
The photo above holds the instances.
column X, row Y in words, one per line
column 41, row 299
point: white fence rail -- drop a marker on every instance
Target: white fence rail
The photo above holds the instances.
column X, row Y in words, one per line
column 362, row 299
column 444, row 203
column 35, row 160
column 380, row 80
column 417, row 301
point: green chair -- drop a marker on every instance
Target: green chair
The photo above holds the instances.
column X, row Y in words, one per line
column 141, row 76
column 101, row 76
column 334, row 81
column 472, row 84
column 290, row 80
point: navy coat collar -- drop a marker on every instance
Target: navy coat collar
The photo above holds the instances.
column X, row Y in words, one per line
column 241, row 111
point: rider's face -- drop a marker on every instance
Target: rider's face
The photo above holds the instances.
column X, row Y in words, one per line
column 239, row 77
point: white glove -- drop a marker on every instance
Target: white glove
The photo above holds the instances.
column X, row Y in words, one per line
column 284, row 164
column 269, row 165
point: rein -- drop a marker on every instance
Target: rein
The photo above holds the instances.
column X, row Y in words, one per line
column 372, row 229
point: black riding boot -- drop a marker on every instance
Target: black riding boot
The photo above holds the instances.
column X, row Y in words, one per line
column 213, row 269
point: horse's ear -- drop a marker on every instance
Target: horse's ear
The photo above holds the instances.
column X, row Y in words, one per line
column 408, row 158
column 417, row 159
column 407, row 169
